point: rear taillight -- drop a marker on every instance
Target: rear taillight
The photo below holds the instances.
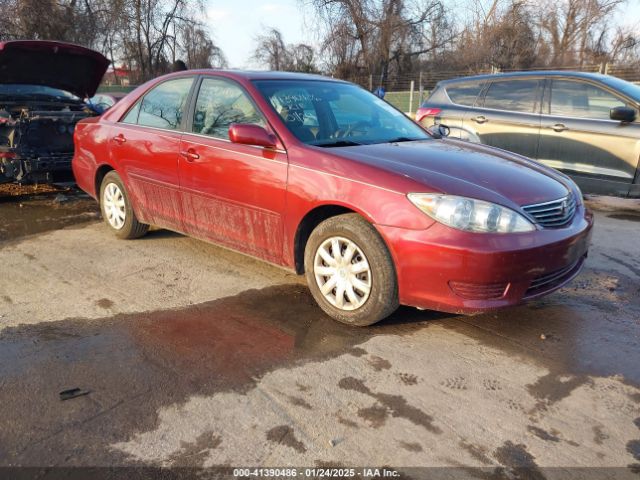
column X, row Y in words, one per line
column 7, row 155
column 423, row 112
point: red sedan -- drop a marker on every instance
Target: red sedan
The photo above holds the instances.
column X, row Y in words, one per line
column 321, row 177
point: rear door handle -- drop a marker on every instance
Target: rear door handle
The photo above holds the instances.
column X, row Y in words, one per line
column 190, row 155
column 480, row 119
column 559, row 127
column 119, row 139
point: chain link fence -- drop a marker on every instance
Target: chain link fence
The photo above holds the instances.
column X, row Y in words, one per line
column 407, row 92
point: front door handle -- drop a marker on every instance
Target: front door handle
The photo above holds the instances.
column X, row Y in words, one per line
column 480, row 119
column 190, row 154
column 559, row 127
column 119, row 139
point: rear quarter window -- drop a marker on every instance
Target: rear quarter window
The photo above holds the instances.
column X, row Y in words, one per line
column 464, row 93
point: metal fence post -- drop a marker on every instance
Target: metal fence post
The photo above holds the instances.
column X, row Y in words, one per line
column 411, row 97
column 370, row 83
column 420, row 88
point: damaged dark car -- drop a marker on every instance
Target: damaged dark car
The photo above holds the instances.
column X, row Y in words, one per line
column 43, row 87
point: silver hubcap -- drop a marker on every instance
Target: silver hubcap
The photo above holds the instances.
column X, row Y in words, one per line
column 342, row 273
column 114, row 206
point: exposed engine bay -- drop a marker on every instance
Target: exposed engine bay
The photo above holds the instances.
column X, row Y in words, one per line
column 36, row 139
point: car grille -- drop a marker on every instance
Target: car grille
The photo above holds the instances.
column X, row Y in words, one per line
column 553, row 279
column 554, row 214
column 478, row 291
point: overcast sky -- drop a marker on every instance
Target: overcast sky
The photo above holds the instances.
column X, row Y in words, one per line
column 236, row 23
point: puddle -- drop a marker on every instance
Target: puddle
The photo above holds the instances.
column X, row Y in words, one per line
column 22, row 217
column 136, row 364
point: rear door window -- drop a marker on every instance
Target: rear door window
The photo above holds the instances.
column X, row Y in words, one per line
column 512, row 95
column 464, row 93
column 580, row 99
column 163, row 106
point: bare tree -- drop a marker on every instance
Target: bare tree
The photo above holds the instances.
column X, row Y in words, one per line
column 374, row 37
column 147, row 35
column 199, row 49
column 273, row 52
column 568, row 26
column 501, row 36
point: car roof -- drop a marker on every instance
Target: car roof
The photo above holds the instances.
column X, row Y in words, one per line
column 264, row 74
column 535, row 73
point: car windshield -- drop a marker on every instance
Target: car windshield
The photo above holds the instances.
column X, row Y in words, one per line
column 333, row 114
column 20, row 91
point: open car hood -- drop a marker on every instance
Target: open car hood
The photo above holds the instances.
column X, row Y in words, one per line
column 60, row 65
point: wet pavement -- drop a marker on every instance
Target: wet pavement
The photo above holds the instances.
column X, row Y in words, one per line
column 196, row 356
column 21, row 216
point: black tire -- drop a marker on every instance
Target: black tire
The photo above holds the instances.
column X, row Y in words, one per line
column 382, row 299
column 132, row 228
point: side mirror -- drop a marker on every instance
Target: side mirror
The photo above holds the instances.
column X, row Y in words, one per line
column 439, row 130
column 623, row 114
column 249, row 134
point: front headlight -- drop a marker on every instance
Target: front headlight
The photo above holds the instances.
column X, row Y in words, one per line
column 469, row 214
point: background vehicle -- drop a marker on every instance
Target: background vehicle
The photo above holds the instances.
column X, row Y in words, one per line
column 102, row 102
column 43, row 85
column 322, row 177
column 584, row 124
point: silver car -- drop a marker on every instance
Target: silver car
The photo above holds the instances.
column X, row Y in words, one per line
column 584, row 124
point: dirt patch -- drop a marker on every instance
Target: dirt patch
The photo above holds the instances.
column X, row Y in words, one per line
column 299, row 402
column 542, row 434
column 477, row 452
column 194, row 454
column 376, row 415
column 554, row 387
column 379, row 363
column 284, row 435
column 396, row 404
column 408, row 378
column 105, row 303
column 519, row 460
column 412, row 447
column 29, row 190
column 598, row 435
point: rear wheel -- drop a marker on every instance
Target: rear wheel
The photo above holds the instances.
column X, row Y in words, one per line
column 116, row 209
column 350, row 271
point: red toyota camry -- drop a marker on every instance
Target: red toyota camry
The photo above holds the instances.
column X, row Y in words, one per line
column 321, row 177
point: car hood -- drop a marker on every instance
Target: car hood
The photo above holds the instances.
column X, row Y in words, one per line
column 65, row 66
column 466, row 169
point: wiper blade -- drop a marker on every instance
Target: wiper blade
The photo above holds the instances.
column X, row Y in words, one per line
column 402, row 139
column 338, row 143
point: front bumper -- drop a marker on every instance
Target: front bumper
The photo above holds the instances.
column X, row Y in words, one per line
column 444, row 269
column 44, row 168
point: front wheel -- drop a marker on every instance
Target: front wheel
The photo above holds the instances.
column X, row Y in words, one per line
column 116, row 209
column 350, row 271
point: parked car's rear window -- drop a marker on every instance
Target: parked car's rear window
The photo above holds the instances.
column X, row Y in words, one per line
column 464, row 93
column 580, row 99
column 512, row 95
